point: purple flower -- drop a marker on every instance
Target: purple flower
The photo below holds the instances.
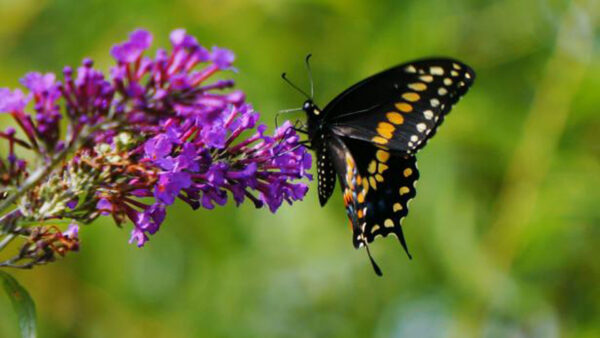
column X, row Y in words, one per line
column 104, row 206
column 179, row 38
column 39, row 83
column 157, row 150
column 169, row 185
column 138, row 236
column 141, row 38
column 72, row 203
column 88, row 97
column 164, row 128
column 187, row 158
column 223, row 58
column 12, row 101
column 151, row 219
column 45, row 92
column 130, row 51
column 72, row 232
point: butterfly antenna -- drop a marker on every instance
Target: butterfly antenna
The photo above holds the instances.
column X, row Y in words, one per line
column 375, row 266
column 284, row 77
column 310, row 77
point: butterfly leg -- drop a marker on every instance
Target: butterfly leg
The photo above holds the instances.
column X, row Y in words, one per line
column 300, row 129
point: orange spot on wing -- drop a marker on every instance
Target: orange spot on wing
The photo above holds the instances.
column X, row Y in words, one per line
column 380, row 140
column 404, row 107
column 395, row 118
column 385, row 129
column 411, row 97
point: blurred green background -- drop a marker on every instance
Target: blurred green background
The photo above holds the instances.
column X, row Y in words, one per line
column 505, row 229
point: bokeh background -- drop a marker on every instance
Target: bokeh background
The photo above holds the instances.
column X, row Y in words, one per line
column 505, row 229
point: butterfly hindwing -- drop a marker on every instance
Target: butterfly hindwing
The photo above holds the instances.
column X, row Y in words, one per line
column 353, row 189
column 376, row 185
column 390, row 185
column 402, row 107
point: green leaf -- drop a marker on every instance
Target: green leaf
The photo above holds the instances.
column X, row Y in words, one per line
column 22, row 303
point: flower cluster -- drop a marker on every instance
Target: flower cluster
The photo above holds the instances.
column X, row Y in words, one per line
column 155, row 130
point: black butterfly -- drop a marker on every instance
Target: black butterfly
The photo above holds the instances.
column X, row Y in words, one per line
column 369, row 134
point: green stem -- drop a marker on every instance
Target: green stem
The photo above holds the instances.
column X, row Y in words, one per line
column 7, row 240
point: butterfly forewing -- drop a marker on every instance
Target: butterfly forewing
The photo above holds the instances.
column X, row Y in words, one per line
column 401, row 107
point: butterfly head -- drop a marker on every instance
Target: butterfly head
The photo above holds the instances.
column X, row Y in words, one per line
column 311, row 108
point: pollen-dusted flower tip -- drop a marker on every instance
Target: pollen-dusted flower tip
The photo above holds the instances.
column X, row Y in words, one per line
column 159, row 128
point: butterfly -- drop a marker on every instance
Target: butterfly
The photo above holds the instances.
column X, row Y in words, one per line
column 368, row 135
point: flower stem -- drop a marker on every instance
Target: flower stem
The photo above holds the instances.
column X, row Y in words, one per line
column 6, row 240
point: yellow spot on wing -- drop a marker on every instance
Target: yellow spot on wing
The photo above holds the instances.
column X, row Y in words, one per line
column 404, row 107
column 382, row 156
column 411, row 97
column 418, row 86
column 380, row 140
column 436, row 70
column 372, row 183
column 388, row 223
column 385, row 129
column 374, row 228
column 372, row 167
column 381, row 168
column 379, row 178
column 426, row 78
column 404, row 190
column 407, row 172
column 397, row 207
column 395, row 118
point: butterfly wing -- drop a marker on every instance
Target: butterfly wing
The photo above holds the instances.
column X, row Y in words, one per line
column 376, row 185
column 389, row 184
column 353, row 187
column 400, row 108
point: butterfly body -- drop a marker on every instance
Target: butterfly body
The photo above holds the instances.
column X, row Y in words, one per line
column 368, row 136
